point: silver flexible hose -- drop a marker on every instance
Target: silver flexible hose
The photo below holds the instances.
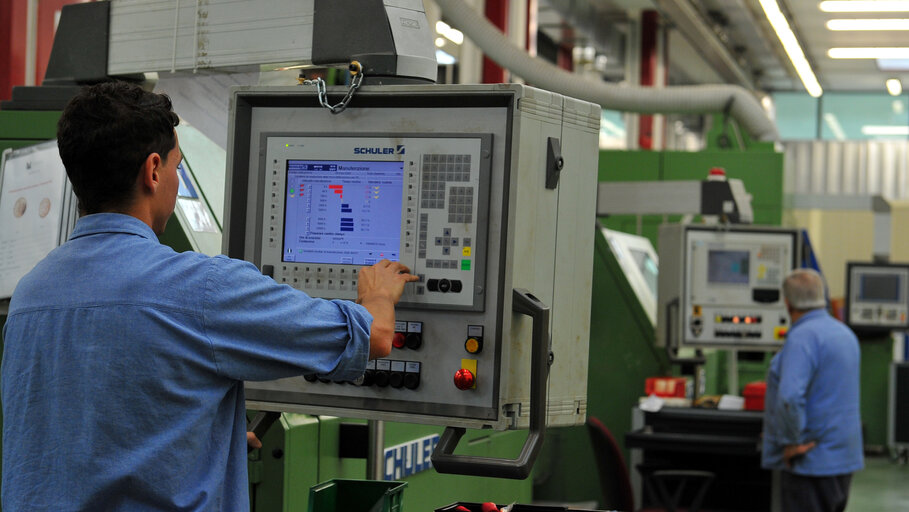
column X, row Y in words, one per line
column 687, row 99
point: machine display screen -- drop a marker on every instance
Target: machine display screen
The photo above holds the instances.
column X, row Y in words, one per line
column 342, row 212
column 880, row 287
column 728, row 267
column 648, row 268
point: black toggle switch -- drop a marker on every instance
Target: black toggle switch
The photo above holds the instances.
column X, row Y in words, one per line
column 411, row 380
column 413, row 340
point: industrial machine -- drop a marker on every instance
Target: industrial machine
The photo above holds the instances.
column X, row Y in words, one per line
column 877, row 296
column 483, row 191
column 721, row 286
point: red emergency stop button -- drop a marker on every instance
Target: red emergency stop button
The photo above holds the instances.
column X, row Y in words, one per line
column 398, row 340
column 464, row 379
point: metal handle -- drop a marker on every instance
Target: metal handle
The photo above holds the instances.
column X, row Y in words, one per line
column 443, row 458
column 261, row 422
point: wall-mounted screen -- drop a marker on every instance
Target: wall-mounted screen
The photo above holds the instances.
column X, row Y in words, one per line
column 342, row 212
column 880, row 287
column 728, row 267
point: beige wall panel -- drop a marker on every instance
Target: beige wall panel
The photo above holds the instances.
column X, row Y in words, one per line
column 837, row 236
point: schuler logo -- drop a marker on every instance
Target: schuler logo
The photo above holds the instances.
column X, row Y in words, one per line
column 397, row 150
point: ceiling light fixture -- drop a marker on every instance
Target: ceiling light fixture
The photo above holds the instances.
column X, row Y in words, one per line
column 791, row 45
column 894, row 87
column 885, row 130
column 869, row 53
column 454, row 35
column 835, row 127
column 864, row 6
column 895, row 24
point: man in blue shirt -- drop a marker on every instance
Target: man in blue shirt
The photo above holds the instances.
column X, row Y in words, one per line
column 124, row 361
column 812, row 424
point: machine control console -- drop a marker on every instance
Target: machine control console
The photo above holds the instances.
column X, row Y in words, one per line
column 339, row 203
column 877, row 296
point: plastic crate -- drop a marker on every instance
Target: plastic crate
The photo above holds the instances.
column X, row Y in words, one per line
column 341, row 495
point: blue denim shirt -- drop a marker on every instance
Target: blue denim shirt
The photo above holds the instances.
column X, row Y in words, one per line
column 123, row 369
column 813, row 395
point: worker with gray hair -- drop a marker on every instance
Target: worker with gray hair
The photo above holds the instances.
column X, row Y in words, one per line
column 812, row 424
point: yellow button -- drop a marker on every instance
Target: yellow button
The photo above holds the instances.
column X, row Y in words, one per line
column 472, row 345
column 465, row 251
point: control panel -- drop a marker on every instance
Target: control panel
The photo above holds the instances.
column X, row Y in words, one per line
column 456, row 183
column 339, row 203
column 877, row 296
column 722, row 286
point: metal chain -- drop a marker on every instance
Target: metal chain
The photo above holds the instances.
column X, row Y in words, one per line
column 357, row 72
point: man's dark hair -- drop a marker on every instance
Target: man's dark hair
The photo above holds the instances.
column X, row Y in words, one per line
column 105, row 134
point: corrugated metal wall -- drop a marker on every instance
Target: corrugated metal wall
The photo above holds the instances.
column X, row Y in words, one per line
column 847, row 168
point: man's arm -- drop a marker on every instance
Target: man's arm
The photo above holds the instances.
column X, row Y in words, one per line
column 378, row 290
column 796, row 372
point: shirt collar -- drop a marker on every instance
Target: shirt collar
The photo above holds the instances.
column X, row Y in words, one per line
column 98, row 223
column 814, row 313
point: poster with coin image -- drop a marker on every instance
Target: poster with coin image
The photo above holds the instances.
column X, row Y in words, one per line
column 32, row 185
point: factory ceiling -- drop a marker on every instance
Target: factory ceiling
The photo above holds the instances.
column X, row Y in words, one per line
column 732, row 41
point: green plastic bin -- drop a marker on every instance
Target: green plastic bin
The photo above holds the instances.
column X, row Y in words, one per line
column 340, row 495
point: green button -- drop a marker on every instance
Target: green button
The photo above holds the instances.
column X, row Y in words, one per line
column 465, row 264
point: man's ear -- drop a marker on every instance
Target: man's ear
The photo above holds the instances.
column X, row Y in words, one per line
column 149, row 173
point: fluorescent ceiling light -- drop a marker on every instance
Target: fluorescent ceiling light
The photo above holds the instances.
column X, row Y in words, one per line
column 869, row 53
column 894, row 24
column 835, row 127
column 885, row 130
column 894, row 87
column 453, row 34
column 444, row 59
column 864, row 6
column 893, row 64
column 791, row 45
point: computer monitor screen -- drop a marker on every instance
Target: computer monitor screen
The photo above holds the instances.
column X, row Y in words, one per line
column 880, row 287
column 728, row 267
column 648, row 268
column 343, row 212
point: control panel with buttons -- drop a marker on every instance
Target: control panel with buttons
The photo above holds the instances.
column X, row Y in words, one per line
column 456, row 183
column 877, row 296
column 334, row 210
column 726, row 283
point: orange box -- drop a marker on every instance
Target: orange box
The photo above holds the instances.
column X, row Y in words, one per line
column 665, row 386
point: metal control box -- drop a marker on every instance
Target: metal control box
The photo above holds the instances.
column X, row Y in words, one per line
column 721, row 286
column 480, row 190
column 877, row 296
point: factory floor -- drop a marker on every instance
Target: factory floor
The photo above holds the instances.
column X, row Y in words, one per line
column 880, row 487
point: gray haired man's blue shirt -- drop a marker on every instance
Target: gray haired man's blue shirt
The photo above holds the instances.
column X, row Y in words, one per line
column 813, row 395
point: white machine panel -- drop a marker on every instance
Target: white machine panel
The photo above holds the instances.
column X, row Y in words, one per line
column 451, row 181
column 640, row 263
column 724, row 287
column 877, row 296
